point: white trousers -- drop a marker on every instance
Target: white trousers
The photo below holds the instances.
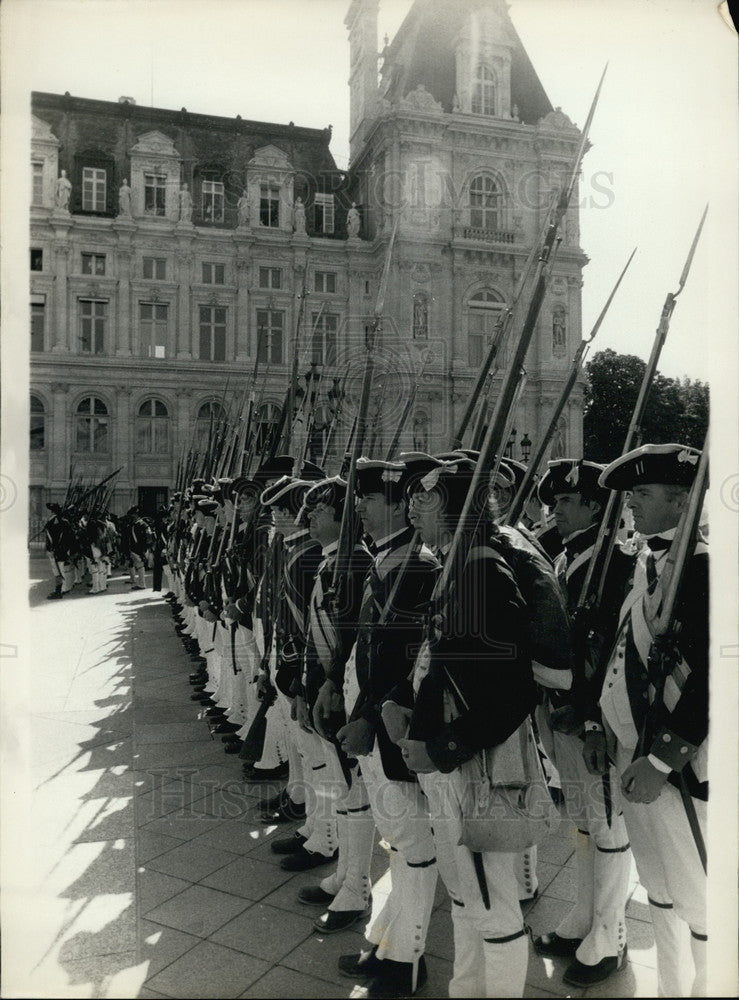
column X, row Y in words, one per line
column 490, row 944
column 602, row 856
column 401, row 814
column 670, row 870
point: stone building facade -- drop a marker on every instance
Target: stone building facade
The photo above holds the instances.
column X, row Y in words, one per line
column 190, row 247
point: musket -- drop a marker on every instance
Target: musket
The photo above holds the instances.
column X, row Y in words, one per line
column 606, row 538
column 409, row 403
column 666, row 626
column 494, row 437
column 340, row 395
column 347, row 533
column 288, row 417
column 501, row 331
column 527, row 483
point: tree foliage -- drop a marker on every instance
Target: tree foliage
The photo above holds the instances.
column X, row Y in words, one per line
column 676, row 409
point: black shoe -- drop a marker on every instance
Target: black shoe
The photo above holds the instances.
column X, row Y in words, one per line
column 554, row 946
column 274, row 802
column 365, row 965
column 231, row 738
column 288, row 814
column 396, row 979
column 203, row 698
column 288, row 845
column 314, row 895
column 215, row 713
column 303, row 861
column 225, row 727
column 340, row 920
column 235, row 746
column 252, row 773
column 56, row 596
column 578, row 974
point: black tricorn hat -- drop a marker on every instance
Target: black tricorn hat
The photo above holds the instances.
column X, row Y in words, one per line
column 385, row 478
column 660, row 464
column 280, row 465
column 570, row 475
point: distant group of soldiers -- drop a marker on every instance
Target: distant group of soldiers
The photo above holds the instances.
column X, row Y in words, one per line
column 379, row 678
column 86, row 545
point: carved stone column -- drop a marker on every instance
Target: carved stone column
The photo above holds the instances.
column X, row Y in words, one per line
column 60, row 318
column 59, row 445
column 241, row 320
column 184, row 324
column 125, row 325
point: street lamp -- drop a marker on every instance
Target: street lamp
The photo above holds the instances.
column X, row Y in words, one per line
column 525, row 447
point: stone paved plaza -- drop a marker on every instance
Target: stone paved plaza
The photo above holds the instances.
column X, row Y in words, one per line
column 147, row 871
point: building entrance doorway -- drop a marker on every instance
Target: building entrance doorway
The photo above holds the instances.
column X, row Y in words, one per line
column 151, row 498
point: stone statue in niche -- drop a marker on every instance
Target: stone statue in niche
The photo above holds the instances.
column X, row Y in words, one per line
column 185, row 204
column 243, row 208
column 420, row 318
column 124, row 199
column 299, row 216
column 63, row 192
column 352, row 222
column 559, row 332
column 558, row 441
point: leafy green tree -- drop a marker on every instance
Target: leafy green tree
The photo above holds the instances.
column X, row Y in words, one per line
column 676, row 410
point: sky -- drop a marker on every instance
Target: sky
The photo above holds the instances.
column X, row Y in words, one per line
column 664, row 140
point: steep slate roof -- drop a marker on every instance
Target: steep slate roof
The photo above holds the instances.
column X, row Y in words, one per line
column 421, row 53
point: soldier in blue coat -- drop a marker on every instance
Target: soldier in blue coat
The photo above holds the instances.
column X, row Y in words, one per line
column 655, row 712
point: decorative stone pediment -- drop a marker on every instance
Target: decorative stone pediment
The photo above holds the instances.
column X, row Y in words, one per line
column 557, row 119
column 41, row 132
column 270, row 157
column 421, row 100
column 156, row 143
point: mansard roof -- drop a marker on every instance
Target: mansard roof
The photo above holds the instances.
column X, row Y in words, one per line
column 422, row 53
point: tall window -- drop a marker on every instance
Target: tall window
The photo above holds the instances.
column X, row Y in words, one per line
column 269, row 205
column 483, row 97
column 38, row 425
column 268, row 415
column 92, row 426
column 37, row 259
column 37, row 182
column 324, row 327
column 325, row 281
column 93, row 189
column 155, row 186
column 152, row 428
column 559, row 330
column 324, row 213
column 213, row 274
column 484, row 203
column 270, row 329
column 212, row 333
column 485, row 309
column 213, row 199
column 92, row 326
column 155, row 268
column 93, row 263
column 209, row 416
column 38, row 322
column 153, row 318
column 270, row 277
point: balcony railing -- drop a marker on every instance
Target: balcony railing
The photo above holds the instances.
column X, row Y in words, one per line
column 488, row 235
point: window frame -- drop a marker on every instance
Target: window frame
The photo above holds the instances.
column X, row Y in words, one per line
column 155, row 426
column 155, row 189
column 38, row 309
column 270, row 345
column 154, row 262
column 484, row 92
column 149, row 328
column 483, row 187
column 37, row 414
column 91, row 189
column 96, row 419
column 216, row 268
column 325, row 275
column 95, row 319
column 93, row 261
column 212, row 193
column 267, row 278
column 39, row 259
column 214, row 329
column 269, row 205
column 324, row 349
column 488, row 310
column 37, row 183
column 324, row 207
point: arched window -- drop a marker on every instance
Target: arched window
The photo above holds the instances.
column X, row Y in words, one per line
column 208, row 419
column 92, row 426
column 485, row 203
column 559, row 330
column 484, row 313
column 421, row 431
column 152, row 428
column 483, row 95
column 268, row 415
column 38, row 424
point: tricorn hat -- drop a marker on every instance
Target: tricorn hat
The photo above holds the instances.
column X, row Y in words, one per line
column 661, row 464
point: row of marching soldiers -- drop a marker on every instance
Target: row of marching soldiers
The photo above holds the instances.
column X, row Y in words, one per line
column 383, row 695
column 86, row 545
